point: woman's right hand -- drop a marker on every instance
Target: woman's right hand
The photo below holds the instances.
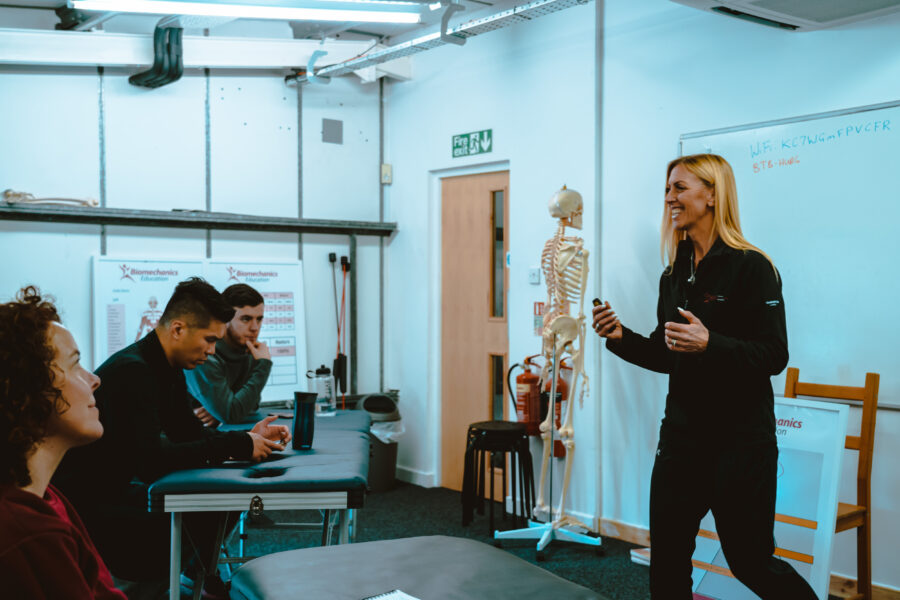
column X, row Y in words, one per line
column 606, row 323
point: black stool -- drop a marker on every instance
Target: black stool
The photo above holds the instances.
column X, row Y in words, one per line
column 497, row 438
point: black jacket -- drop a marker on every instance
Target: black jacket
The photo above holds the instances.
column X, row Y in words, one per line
column 149, row 429
column 724, row 395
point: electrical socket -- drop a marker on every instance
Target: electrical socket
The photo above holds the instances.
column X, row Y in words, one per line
column 387, row 173
column 534, row 276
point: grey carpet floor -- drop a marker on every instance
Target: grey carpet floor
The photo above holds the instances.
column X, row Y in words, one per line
column 409, row 510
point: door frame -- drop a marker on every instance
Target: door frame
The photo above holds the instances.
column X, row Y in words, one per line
column 435, row 204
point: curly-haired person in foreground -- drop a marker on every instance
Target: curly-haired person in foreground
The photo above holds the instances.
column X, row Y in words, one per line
column 46, row 407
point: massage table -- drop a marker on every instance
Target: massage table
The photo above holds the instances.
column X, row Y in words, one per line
column 430, row 568
column 332, row 476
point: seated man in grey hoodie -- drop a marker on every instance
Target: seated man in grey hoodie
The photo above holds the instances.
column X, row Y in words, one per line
column 229, row 384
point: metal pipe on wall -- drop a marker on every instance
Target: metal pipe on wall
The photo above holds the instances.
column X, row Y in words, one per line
column 208, row 145
column 299, row 167
column 354, row 359
column 380, row 240
column 102, row 145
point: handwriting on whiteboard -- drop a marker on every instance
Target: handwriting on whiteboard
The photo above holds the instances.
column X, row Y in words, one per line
column 774, row 163
column 813, row 137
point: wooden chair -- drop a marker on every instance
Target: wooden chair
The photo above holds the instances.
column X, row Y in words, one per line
column 852, row 516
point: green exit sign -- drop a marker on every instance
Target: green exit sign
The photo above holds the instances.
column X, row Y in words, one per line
column 469, row 144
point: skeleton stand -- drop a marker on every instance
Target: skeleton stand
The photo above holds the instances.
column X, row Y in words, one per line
column 554, row 529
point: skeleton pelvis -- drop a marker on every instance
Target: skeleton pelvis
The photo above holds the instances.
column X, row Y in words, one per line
column 566, row 329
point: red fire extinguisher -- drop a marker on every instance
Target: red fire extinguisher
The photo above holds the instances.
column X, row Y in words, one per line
column 527, row 395
column 562, row 395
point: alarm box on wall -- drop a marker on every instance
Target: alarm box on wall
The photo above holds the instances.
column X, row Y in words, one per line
column 798, row 15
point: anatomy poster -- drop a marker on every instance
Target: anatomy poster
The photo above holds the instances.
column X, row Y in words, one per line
column 283, row 328
column 129, row 296
column 810, row 448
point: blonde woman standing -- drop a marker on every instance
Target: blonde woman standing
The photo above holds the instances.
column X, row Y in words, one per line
column 720, row 336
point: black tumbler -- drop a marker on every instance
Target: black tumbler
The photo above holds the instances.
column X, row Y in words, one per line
column 304, row 420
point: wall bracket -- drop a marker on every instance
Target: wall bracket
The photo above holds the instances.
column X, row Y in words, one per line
column 310, row 68
column 446, row 37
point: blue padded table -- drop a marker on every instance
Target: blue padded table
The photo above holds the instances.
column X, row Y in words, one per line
column 431, row 567
column 330, row 476
column 348, row 420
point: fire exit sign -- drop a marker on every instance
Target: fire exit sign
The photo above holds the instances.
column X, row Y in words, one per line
column 469, row 144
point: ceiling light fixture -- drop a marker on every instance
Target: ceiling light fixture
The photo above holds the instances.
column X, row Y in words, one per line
column 380, row 12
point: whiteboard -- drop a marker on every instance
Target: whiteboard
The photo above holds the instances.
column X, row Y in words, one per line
column 821, row 195
column 129, row 296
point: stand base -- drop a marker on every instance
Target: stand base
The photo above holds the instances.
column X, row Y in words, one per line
column 546, row 533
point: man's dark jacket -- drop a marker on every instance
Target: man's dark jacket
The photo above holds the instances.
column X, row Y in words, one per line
column 149, row 430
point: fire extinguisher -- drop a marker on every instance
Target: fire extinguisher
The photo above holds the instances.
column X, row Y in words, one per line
column 562, row 395
column 527, row 395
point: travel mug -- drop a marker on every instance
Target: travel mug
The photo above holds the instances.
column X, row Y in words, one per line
column 304, row 420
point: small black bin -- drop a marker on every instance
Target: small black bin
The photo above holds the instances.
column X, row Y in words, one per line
column 382, row 456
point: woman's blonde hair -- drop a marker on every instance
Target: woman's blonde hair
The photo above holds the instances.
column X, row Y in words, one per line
column 716, row 174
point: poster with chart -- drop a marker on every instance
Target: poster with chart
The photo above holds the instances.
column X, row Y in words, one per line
column 283, row 327
column 810, row 449
column 129, row 296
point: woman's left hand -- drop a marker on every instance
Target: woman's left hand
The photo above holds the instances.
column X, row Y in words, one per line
column 690, row 337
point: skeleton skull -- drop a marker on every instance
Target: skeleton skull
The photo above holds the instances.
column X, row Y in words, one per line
column 567, row 204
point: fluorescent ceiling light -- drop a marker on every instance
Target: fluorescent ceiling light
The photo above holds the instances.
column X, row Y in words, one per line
column 434, row 5
column 379, row 13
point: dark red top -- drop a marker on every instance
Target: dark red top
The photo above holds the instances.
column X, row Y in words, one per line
column 45, row 551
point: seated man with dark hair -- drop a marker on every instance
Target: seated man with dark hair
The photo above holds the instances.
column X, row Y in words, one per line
column 229, row 385
column 46, row 408
column 151, row 430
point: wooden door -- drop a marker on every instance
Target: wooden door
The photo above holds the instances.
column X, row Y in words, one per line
column 474, row 283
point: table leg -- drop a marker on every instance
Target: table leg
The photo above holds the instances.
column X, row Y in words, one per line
column 480, row 457
column 241, row 534
column 513, row 484
column 344, row 526
column 175, row 558
column 220, row 541
column 503, row 488
column 490, row 470
column 326, row 527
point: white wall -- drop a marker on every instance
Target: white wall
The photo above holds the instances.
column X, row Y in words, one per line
column 155, row 159
column 341, row 182
column 33, row 159
column 534, row 85
column 670, row 70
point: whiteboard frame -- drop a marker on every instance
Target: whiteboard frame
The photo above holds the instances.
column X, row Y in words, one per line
column 786, row 121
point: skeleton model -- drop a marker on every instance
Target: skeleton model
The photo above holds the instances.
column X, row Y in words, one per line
column 565, row 265
column 564, row 262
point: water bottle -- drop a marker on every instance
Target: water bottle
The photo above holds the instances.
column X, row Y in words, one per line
column 322, row 383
